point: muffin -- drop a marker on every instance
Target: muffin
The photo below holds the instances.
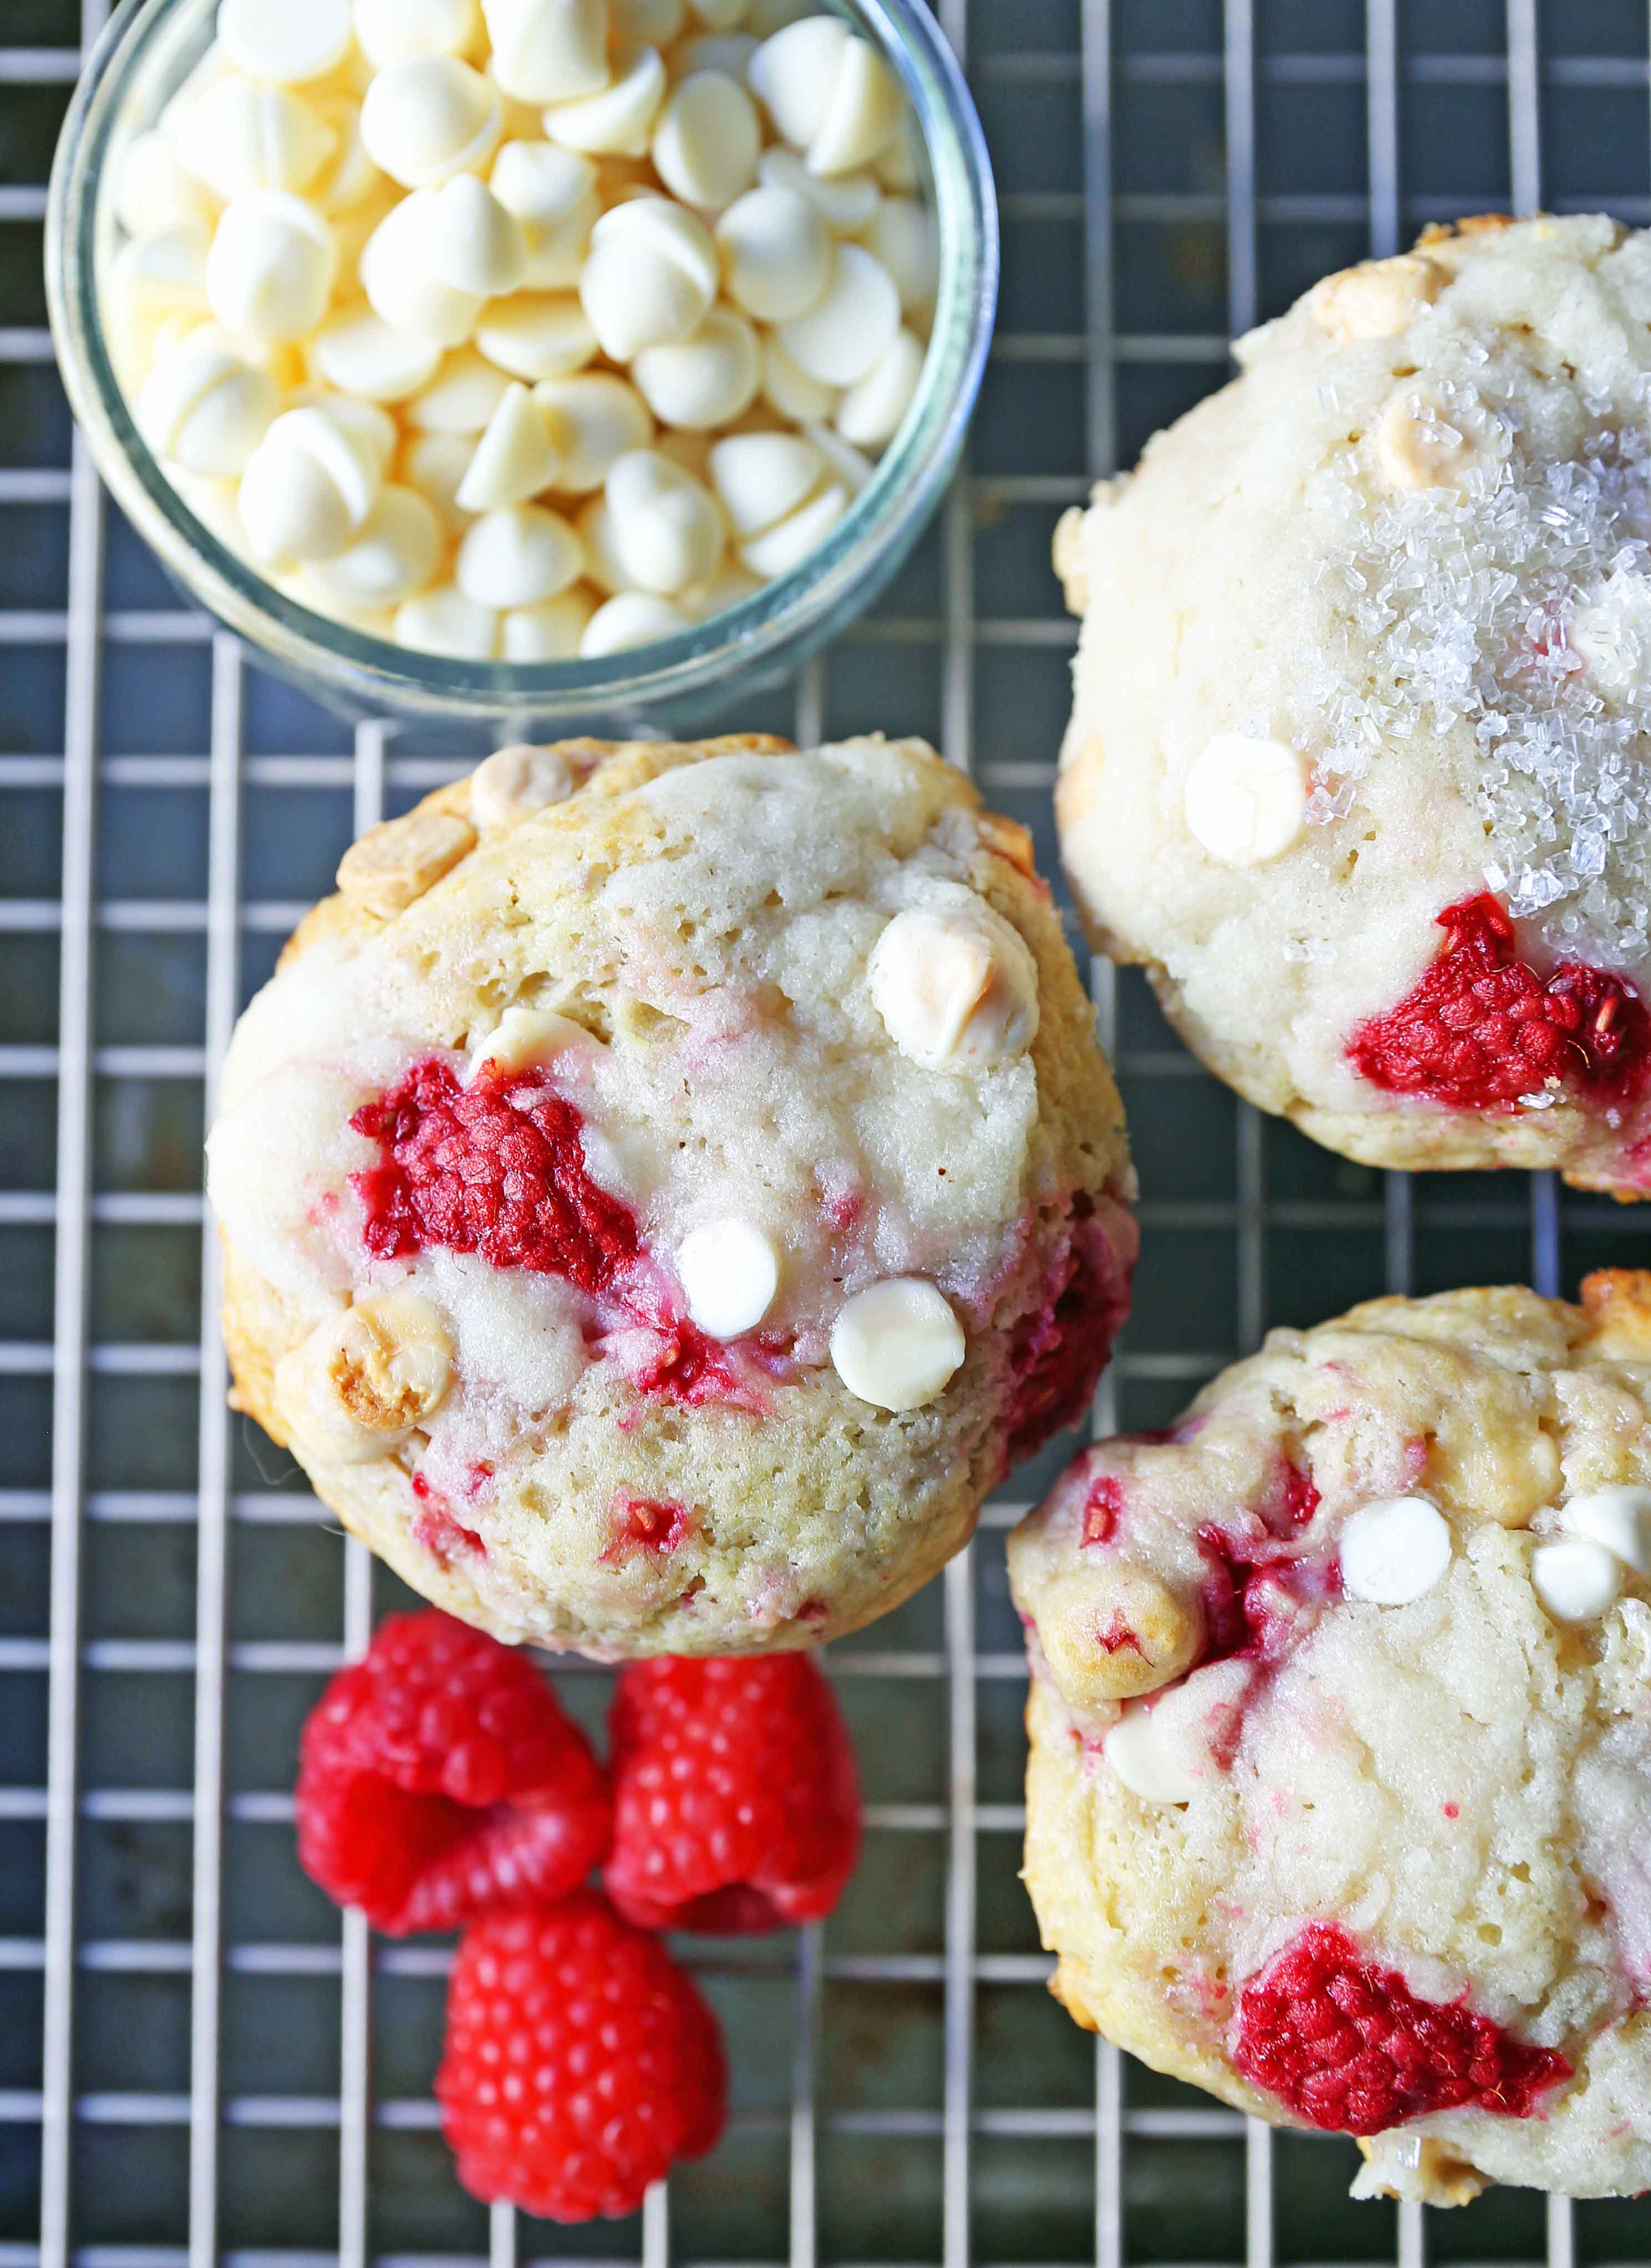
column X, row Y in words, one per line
column 1339, row 1799
column 668, row 1185
column 1358, row 764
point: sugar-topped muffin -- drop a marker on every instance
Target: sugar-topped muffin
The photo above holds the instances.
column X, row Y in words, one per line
column 668, row 1186
column 1359, row 762
column 1339, row 1799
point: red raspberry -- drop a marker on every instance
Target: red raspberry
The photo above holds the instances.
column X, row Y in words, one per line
column 1059, row 1349
column 1348, row 2046
column 1481, row 1028
column 440, row 1778
column 496, row 1168
column 736, row 1806
column 580, row 2062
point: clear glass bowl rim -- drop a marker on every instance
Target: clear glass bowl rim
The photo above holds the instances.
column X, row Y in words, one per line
column 789, row 617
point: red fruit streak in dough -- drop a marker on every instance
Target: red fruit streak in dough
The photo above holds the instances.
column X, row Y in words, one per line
column 1480, row 1028
column 435, row 1529
column 1060, row 1347
column 1347, row 2046
column 644, row 1524
column 497, row 1168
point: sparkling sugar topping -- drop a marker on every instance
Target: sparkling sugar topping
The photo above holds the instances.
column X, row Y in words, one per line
column 1513, row 600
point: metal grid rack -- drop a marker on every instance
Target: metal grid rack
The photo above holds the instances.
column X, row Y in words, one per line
column 195, row 2059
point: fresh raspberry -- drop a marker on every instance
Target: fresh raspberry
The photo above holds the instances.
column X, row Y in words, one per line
column 439, row 1777
column 496, row 1168
column 1347, row 2045
column 1058, row 1351
column 1481, row 1028
column 736, row 1805
column 580, row 2062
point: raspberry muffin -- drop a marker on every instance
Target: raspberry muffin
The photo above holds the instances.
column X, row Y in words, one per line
column 668, row 1186
column 1359, row 764
column 1339, row 1799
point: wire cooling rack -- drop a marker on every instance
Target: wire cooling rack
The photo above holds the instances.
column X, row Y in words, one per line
column 195, row 2059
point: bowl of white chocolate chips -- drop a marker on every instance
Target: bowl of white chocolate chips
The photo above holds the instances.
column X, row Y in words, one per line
column 524, row 357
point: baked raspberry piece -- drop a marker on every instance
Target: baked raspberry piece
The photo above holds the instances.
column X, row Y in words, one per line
column 1348, row 2046
column 580, row 2062
column 1060, row 1349
column 439, row 1777
column 1481, row 1028
column 736, row 1804
column 495, row 1167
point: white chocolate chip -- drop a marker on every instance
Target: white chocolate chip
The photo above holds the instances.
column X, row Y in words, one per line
column 1245, row 799
column 552, row 193
column 956, row 991
column 394, row 864
column 783, row 546
column 526, row 1039
column 517, row 557
column 706, row 380
column 897, row 1344
column 594, row 419
column 1618, row 1517
column 547, row 50
column 516, row 781
column 475, row 245
column 205, row 407
column 619, row 120
column 729, row 1272
column 241, row 136
column 776, row 252
column 864, row 111
column 286, row 40
column 791, row 391
column 358, row 353
column 793, row 75
column 729, row 586
column 395, row 550
column 1378, row 300
column 308, row 486
column 902, row 235
column 550, row 631
column 461, row 395
column 362, row 1382
column 665, row 528
column 761, row 477
column 706, row 142
column 429, row 118
column 1393, row 1550
column 349, row 176
column 536, row 335
column 1576, row 1581
column 869, row 413
column 395, row 31
column 514, row 459
column 154, row 192
column 1417, row 445
column 845, row 203
column 851, row 326
column 1145, row 1761
column 443, row 620
column 399, row 281
column 435, row 464
column 630, row 618
column 650, row 276
column 271, row 266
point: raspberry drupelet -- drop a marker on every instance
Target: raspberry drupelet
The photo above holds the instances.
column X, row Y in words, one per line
column 439, row 1777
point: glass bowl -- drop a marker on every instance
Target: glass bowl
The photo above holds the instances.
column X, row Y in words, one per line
column 148, row 50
